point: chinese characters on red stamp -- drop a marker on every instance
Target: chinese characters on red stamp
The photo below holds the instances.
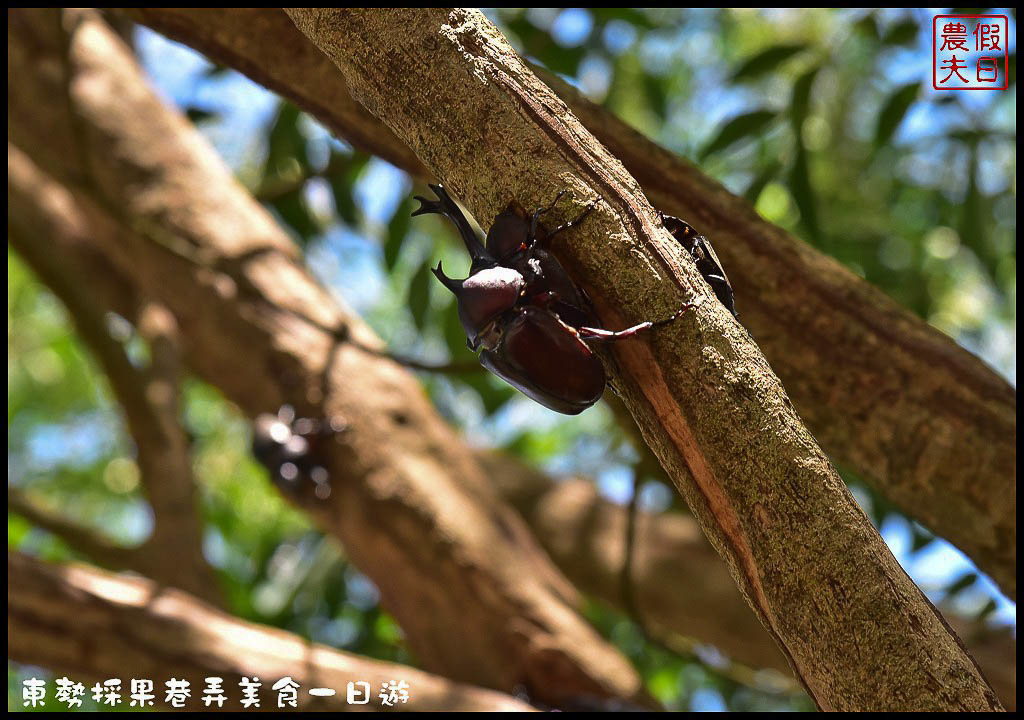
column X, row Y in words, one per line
column 970, row 52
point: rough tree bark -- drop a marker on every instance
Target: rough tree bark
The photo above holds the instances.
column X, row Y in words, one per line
column 899, row 403
column 94, row 625
column 857, row 632
column 477, row 597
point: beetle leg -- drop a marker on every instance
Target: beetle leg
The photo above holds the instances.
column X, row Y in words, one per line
column 540, row 211
column 546, row 240
column 602, row 335
column 544, row 299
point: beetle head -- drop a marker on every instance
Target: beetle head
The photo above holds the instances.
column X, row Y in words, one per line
column 482, row 297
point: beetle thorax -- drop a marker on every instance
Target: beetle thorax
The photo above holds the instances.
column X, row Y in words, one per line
column 485, row 295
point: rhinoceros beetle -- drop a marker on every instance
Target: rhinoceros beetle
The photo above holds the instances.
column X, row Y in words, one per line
column 287, row 447
column 519, row 308
column 708, row 264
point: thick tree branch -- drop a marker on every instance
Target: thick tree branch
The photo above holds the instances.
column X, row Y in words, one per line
column 93, row 625
column 148, row 396
column 476, row 596
column 891, row 398
column 858, row 633
column 682, row 587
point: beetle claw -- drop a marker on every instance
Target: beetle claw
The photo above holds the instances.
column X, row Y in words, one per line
column 541, row 210
column 572, row 223
column 675, row 316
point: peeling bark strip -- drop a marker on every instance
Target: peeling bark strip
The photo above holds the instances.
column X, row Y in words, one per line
column 477, row 598
column 94, row 625
column 856, row 629
column 896, row 401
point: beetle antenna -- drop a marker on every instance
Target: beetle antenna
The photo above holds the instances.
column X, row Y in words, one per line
column 452, row 284
column 445, row 205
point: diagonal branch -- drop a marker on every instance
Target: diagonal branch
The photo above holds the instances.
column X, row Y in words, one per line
column 148, row 396
column 94, row 625
column 857, row 632
column 891, row 398
column 681, row 586
column 83, row 539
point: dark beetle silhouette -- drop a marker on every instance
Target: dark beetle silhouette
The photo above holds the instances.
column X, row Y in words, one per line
column 287, row 446
column 707, row 261
column 519, row 308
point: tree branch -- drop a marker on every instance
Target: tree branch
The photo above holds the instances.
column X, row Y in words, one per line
column 83, row 539
column 477, row 598
column 889, row 397
column 148, row 396
column 94, row 626
column 858, row 633
column 682, row 587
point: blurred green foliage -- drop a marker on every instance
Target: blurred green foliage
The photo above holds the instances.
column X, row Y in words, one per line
column 824, row 119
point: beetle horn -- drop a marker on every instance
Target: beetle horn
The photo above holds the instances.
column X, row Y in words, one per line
column 452, row 284
column 444, row 205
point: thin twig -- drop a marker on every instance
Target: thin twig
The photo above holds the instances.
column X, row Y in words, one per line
column 78, row 537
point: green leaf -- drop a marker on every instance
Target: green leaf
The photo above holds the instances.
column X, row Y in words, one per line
column 343, row 182
column 630, row 15
column 986, row 612
column 398, row 228
column 893, row 112
column 200, row 115
column 800, row 104
column 542, row 47
column 800, row 177
column 740, row 127
column 454, row 333
column 654, row 86
column 766, row 61
column 803, row 192
column 215, row 71
column 286, row 145
column 962, row 584
column 970, row 138
column 902, row 33
column 295, row 213
column 920, row 540
column 973, row 222
column 493, row 392
column 868, row 26
column 753, row 191
column 419, row 294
